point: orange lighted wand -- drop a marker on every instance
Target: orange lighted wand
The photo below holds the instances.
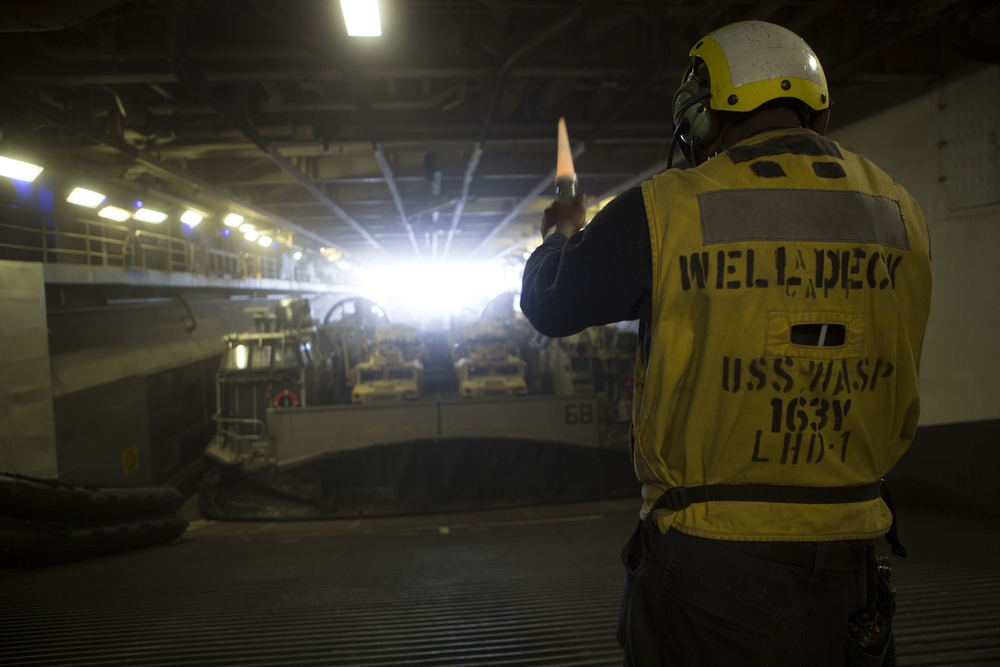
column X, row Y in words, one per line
column 565, row 174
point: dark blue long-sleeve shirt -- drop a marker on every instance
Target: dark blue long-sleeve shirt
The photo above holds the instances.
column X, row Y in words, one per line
column 601, row 275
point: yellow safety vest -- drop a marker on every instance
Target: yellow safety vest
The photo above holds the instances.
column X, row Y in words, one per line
column 791, row 288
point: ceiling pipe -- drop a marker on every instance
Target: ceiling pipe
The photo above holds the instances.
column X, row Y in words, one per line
column 390, row 180
column 33, row 16
column 504, row 71
column 98, row 74
column 439, row 101
column 363, row 107
column 22, row 99
column 502, row 75
column 243, row 125
column 654, row 74
column 470, row 172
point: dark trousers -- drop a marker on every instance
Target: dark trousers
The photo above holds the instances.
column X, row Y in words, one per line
column 696, row 602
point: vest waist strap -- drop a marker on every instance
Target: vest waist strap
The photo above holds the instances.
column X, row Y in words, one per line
column 680, row 497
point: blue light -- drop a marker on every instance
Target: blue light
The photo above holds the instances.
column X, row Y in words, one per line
column 24, row 189
column 137, row 204
column 225, row 232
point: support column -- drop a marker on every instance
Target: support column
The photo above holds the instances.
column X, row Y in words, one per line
column 27, row 426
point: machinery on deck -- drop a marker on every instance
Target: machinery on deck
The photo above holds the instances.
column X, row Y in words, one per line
column 393, row 371
column 284, row 363
column 350, row 415
column 489, row 364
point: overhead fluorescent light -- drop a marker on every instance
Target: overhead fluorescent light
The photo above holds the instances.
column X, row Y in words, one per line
column 264, row 241
column 115, row 213
column 361, row 18
column 246, row 227
column 251, row 235
column 84, row 197
column 149, row 215
column 233, row 220
column 19, row 171
column 192, row 218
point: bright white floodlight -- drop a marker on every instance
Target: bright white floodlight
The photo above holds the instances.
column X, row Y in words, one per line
column 361, row 17
column 149, row 215
column 19, row 171
column 233, row 220
column 84, row 197
column 192, row 218
column 115, row 213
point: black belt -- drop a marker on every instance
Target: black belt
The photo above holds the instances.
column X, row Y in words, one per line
column 680, row 497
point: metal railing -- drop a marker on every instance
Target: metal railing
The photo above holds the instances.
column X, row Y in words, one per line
column 95, row 243
column 162, row 252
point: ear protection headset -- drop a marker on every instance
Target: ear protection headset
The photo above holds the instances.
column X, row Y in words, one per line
column 695, row 125
column 692, row 117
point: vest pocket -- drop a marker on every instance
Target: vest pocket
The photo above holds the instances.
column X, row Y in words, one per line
column 824, row 336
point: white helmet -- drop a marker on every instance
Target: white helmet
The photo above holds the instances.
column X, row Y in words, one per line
column 739, row 68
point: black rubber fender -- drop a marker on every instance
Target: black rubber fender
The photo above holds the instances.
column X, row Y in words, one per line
column 45, row 543
column 33, row 499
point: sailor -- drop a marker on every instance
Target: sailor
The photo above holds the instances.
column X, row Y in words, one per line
column 782, row 285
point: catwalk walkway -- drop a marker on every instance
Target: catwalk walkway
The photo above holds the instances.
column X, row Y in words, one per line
column 531, row 586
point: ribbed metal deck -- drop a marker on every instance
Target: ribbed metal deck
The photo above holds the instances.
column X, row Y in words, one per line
column 949, row 614
column 535, row 586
